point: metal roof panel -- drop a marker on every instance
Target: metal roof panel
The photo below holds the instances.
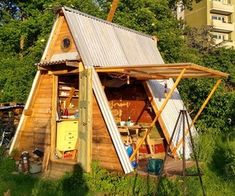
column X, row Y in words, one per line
column 102, row 43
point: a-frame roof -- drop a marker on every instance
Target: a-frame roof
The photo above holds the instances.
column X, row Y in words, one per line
column 101, row 43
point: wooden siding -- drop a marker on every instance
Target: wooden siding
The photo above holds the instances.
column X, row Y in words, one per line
column 61, row 32
column 36, row 128
column 130, row 101
column 102, row 146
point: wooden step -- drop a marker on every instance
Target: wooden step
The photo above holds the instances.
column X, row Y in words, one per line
column 58, row 169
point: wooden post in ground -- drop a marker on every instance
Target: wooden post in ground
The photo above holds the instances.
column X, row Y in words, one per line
column 53, row 116
column 85, row 118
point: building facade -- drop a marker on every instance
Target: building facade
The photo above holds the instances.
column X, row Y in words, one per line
column 219, row 14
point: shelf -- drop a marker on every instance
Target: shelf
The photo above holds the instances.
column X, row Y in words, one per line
column 60, row 89
column 67, row 119
column 65, row 96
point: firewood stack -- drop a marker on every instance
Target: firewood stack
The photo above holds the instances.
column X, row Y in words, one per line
column 10, row 113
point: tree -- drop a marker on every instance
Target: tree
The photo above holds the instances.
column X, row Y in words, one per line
column 153, row 18
column 25, row 28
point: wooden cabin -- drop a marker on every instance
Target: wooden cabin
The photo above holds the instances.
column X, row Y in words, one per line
column 93, row 93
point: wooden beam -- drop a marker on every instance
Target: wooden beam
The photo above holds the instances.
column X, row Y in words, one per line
column 199, row 75
column 162, row 75
column 70, row 64
column 148, row 66
column 58, row 72
column 145, row 74
column 156, row 68
column 168, row 96
column 173, row 71
column 159, row 113
column 198, row 113
column 213, row 71
column 112, row 10
column 90, row 120
column 53, row 116
column 85, row 118
column 64, row 71
column 107, row 70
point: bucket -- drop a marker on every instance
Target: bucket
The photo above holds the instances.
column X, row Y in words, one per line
column 154, row 166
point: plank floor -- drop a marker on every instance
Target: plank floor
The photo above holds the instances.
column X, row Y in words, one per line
column 172, row 167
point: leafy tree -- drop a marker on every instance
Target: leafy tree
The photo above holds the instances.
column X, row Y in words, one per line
column 25, row 28
column 199, row 38
column 154, row 18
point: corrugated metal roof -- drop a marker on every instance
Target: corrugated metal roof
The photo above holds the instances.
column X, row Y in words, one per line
column 57, row 62
column 65, row 55
column 101, row 43
column 47, row 63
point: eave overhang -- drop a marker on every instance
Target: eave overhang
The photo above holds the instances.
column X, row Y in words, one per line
column 163, row 71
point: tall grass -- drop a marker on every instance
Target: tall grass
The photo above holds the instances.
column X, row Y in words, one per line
column 217, row 155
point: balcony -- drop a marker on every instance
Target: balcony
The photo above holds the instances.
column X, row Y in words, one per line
column 221, row 8
column 228, row 44
column 224, row 43
column 220, row 26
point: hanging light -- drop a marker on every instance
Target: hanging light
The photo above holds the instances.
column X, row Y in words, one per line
column 128, row 80
column 165, row 88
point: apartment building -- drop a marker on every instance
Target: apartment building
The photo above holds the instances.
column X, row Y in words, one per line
column 219, row 14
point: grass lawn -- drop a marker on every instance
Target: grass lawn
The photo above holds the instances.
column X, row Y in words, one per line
column 218, row 179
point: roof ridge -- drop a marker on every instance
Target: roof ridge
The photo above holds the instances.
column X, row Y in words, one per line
column 65, row 8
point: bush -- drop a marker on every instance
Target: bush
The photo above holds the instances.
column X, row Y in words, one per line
column 7, row 165
column 100, row 180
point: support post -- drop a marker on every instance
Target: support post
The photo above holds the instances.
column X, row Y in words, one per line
column 85, row 118
column 159, row 112
column 53, row 116
column 199, row 112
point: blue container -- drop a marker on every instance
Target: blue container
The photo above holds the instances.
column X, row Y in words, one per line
column 154, row 166
column 129, row 151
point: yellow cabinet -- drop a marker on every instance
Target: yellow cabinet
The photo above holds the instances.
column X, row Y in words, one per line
column 67, row 135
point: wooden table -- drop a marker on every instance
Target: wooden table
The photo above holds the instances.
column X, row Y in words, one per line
column 137, row 129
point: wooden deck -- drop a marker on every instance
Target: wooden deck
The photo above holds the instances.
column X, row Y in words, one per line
column 172, row 167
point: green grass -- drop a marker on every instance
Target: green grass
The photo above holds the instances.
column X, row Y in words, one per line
column 18, row 184
column 79, row 183
column 219, row 177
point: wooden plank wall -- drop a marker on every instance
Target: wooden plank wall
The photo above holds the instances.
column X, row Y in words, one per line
column 36, row 128
column 130, row 101
column 61, row 32
column 103, row 149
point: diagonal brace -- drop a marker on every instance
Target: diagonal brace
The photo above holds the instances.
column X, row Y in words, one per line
column 198, row 113
column 169, row 95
